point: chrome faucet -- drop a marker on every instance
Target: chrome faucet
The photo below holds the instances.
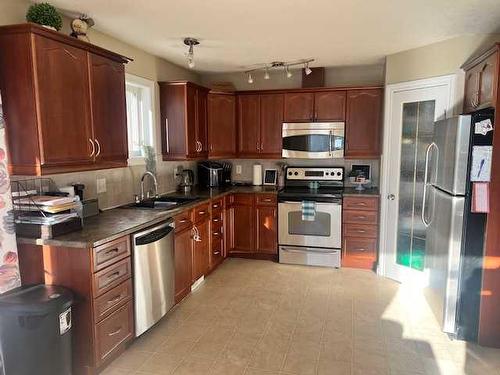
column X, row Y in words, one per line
column 147, row 173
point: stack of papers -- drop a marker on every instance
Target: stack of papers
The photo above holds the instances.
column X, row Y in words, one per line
column 44, row 209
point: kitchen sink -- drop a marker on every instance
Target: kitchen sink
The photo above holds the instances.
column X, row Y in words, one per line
column 161, row 203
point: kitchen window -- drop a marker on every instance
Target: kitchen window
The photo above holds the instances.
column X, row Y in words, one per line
column 140, row 120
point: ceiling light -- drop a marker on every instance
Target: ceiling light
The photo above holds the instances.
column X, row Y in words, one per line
column 250, row 78
column 307, row 70
column 266, row 74
column 288, row 72
column 191, row 42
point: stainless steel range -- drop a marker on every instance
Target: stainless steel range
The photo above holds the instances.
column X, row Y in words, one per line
column 310, row 216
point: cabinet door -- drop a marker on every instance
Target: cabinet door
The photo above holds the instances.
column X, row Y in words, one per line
column 191, row 120
column 183, row 256
column 248, row 125
column 173, row 126
column 63, row 103
column 471, row 100
column 201, row 121
column 329, row 106
column 242, row 221
column 299, row 107
column 271, row 123
column 363, row 122
column 109, row 118
column 201, row 252
column 267, row 234
column 221, row 125
column 487, row 81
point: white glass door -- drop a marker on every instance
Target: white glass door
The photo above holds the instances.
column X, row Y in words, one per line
column 410, row 116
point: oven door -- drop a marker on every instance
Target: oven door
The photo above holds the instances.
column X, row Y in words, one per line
column 308, row 142
column 325, row 231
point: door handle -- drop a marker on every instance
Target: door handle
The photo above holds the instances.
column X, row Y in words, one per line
column 426, row 182
column 98, row 148
column 93, row 147
column 330, row 145
column 166, row 136
column 391, row 197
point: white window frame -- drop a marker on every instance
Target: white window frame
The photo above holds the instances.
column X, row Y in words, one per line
column 150, row 101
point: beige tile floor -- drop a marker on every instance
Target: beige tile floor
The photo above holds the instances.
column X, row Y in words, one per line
column 262, row 318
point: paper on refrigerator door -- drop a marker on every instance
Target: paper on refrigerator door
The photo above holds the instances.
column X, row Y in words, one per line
column 481, row 163
column 480, row 197
column 483, row 127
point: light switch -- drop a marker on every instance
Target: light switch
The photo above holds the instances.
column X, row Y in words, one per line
column 238, row 169
column 101, row 185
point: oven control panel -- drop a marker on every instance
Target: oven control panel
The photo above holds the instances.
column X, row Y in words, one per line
column 316, row 174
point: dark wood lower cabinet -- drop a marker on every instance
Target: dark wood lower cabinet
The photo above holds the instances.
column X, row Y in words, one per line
column 183, row 256
column 201, row 249
column 253, row 224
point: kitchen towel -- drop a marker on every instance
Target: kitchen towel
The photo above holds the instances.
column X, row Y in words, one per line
column 308, row 211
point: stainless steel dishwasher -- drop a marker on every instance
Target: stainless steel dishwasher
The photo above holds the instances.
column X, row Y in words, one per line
column 153, row 253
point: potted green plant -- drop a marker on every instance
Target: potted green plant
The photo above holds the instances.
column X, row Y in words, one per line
column 44, row 14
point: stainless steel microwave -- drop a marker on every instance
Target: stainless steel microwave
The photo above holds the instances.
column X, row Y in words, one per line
column 313, row 140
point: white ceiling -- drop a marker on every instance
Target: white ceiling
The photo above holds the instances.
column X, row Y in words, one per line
column 236, row 34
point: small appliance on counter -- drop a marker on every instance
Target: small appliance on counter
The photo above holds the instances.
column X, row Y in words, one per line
column 257, row 175
column 214, row 174
column 186, row 180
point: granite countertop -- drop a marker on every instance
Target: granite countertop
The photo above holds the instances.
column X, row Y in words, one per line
column 118, row 222
column 368, row 192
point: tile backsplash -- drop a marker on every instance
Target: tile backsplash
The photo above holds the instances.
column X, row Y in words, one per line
column 247, row 166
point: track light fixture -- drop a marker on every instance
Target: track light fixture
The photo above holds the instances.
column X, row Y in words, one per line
column 285, row 65
column 191, row 42
column 307, row 70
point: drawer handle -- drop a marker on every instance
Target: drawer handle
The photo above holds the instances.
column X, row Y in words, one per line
column 114, row 299
column 183, row 221
column 360, row 217
column 114, row 250
column 360, row 204
column 267, row 200
column 361, row 249
column 216, row 252
column 215, row 206
column 215, row 220
column 216, row 233
column 114, row 275
column 202, row 212
column 361, row 231
column 115, row 332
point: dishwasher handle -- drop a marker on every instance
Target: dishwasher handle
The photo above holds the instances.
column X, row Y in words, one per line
column 153, row 234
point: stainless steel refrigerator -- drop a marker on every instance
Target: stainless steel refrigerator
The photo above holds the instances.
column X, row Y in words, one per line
column 455, row 235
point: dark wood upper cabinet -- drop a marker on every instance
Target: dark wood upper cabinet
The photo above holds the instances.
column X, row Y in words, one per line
column 271, row 122
column 480, row 85
column 109, row 110
column 248, row 125
column 221, row 125
column 363, row 123
column 183, row 109
column 299, row 107
column 60, row 95
column 329, row 106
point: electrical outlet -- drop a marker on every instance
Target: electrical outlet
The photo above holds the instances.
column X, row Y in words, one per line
column 238, row 169
column 101, row 185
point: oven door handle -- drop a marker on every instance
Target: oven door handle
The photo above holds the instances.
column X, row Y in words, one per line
column 336, row 202
column 308, row 251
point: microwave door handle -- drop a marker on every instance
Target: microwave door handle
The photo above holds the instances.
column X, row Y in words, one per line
column 330, row 144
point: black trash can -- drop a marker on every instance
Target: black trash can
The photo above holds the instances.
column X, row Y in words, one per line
column 35, row 331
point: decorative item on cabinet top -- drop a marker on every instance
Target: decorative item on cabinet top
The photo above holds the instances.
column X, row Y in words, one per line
column 44, row 14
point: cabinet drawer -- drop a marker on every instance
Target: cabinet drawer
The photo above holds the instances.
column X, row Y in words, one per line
column 183, row 221
column 266, row 199
column 360, row 230
column 217, row 205
column 360, row 203
column 218, row 218
column 111, row 252
column 110, row 300
column 217, row 232
column 243, row 199
column 113, row 331
column 200, row 212
column 360, row 217
column 217, row 247
column 111, row 276
column 360, row 247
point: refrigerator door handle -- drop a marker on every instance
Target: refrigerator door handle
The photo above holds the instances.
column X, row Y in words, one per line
column 426, row 181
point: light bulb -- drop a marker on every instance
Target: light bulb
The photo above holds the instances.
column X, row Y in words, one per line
column 307, row 70
column 250, row 78
column 190, row 61
column 266, row 74
column 288, row 72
